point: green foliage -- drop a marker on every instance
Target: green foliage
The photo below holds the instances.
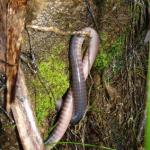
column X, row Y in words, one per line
column 52, row 84
column 110, row 54
column 102, row 61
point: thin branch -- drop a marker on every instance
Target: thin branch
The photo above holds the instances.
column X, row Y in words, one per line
column 58, row 31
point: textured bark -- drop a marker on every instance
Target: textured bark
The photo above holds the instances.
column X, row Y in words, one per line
column 15, row 25
column 12, row 17
column 3, row 4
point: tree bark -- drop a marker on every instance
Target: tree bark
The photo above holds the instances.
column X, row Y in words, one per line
column 12, row 19
column 15, row 25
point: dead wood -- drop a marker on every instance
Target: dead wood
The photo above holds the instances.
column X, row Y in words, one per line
column 23, row 116
column 12, row 18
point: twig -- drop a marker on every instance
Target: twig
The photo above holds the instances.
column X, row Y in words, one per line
column 58, row 31
column 7, row 114
column 30, row 46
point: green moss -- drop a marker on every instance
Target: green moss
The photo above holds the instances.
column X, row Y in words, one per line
column 147, row 128
column 52, row 84
column 110, row 54
column 102, row 61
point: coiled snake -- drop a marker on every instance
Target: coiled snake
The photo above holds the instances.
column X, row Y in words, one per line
column 74, row 105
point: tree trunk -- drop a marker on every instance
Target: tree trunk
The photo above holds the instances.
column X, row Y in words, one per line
column 12, row 19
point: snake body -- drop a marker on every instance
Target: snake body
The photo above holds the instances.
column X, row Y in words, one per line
column 78, row 84
column 74, row 105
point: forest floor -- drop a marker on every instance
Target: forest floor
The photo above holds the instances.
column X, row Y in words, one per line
column 116, row 85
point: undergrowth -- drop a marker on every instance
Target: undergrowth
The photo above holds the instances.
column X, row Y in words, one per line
column 110, row 53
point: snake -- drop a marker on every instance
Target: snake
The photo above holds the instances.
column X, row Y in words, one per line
column 75, row 103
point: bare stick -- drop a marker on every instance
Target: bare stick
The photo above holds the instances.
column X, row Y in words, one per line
column 57, row 31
